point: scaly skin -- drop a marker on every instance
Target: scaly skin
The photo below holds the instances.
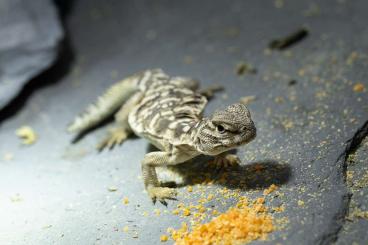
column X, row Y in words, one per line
column 167, row 111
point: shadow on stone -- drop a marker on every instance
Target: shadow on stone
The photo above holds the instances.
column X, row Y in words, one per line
column 49, row 77
column 255, row 175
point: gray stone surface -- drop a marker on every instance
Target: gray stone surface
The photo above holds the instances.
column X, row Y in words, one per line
column 30, row 32
column 55, row 192
column 355, row 228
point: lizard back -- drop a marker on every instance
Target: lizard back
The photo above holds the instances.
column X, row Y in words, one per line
column 167, row 113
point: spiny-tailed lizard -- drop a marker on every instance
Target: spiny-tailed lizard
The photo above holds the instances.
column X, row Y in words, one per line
column 167, row 111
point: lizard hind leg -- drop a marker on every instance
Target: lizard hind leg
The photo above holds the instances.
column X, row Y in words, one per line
column 118, row 134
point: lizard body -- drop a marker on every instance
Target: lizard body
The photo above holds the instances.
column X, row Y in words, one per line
column 167, row 111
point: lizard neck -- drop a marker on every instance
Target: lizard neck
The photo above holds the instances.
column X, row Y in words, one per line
column 194, row 135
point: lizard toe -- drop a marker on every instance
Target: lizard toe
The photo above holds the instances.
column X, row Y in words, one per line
column 162, row 194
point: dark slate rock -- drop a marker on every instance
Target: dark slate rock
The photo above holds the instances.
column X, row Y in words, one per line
column 29, row 35
column 302, row 129
column 354, row 231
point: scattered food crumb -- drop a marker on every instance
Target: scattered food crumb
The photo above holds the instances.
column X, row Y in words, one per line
column 16, row 198
column 126, row 228
column 186, row 212
column 27, row 134
column 358, row 87
column 279, row 3
column 352, row 57
column 112, row 189
column 300, row 203
column 8, row 156
column 279, row 99
column 313, row 10
column 246, row 100
column 164, row 238
column 188, row 59
column 245, row 68
column 157, row 212
column 125, row 200
column 279, row 209
column 270, row 189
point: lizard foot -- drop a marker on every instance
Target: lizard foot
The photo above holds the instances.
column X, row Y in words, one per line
column 161, row 194
column 226, row 161
column 116, row 136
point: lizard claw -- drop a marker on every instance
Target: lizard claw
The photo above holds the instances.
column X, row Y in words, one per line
column 226, row 161
column 161, row 194
column 163, row 202
column 154, row 199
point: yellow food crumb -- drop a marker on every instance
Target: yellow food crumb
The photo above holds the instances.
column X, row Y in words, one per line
column 186, row 212
column 260, row 200
column 126, row 228
column 279, row 209
column 8, row 157
column 358, row 87
column 176, row 211
column 288, row 124
column 157, row 212
column 210, row 197
column 300, row 203
column 279, row 3
column 125, row 200
column 188, row 59
column 112, row 189
column 190, row 189
column 27, row 134
column 164, row 238
column 270, row 189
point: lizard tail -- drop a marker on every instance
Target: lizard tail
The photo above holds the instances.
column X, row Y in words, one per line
column 105, row 105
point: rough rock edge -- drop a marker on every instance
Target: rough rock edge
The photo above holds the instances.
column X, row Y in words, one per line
column 52, row 45
column 338, row 222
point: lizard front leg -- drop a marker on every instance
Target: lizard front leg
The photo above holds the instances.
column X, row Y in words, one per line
column 150, row 162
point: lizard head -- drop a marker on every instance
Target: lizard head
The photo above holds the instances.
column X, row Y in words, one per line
column 225, row 130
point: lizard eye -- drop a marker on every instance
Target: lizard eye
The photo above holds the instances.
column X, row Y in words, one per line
column 220, row 129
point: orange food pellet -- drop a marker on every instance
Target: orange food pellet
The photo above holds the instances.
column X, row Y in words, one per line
column 270, row 189
column 164, row 238
column 186, row 212
column 358, row 87
column 125, row 200
column 243, row 223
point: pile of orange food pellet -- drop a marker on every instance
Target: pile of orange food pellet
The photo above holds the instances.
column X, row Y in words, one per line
column 240, row 224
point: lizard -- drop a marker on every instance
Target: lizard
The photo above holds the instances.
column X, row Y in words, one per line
column 168, row 112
